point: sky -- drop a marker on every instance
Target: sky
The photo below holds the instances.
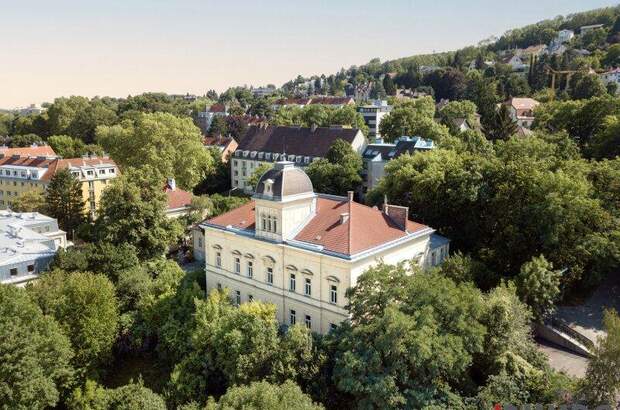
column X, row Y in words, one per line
column 126, row 47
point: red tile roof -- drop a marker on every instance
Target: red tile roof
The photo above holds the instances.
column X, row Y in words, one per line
column 35, row 151
column 366, row 227
column 53, row 164
column 177, row 198
column 217, row 108
column 332, row 100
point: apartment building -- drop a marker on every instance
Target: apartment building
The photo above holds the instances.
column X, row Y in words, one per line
column 28, row 243
column 265, row 144
column 373, row 115
column 301, row 251
column 19, row 174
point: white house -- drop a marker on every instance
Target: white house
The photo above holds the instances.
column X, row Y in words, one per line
column 522, row 110
column 516, row 62
column 377, row 155
column 301, row 251
column 28, row 243
column 564, row 36
column 611, row 76
column 373, row 115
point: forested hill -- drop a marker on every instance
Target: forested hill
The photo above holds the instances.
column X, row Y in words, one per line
column 542, row 32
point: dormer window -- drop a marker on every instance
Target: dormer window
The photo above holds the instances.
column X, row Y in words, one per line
column 268, row 187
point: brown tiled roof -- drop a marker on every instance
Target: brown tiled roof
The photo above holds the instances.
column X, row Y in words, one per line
column 216, row 141
column 177, row 198
column 294, row 140
column 217, row 108
column 365, row 229
column 53, row 164
column 292, row 101
column 43, row 150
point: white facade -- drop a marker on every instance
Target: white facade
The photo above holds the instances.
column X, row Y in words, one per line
column 612, row 76
column 28, row 243
column 564, row 36
column 373, row 115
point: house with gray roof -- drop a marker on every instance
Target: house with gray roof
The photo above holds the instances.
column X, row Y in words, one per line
column 376, row 155
column 28, row 243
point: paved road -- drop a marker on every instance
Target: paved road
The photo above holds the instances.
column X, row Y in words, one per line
column 588, row 317
column 563, row 360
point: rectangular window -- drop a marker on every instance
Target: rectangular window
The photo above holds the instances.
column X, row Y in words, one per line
column 219, row 286
column 308, row 322
column 333, row 294
column 332, row 327
column 250, row 298
column 30, row 268
column 308, row 287
column 237, row 266
column 200, row 242
column 270, row 276
column 238, row 297
column 275, row 225
column 250, row 269
column 218, row 259
column 291, row 283
column 292, row 318
column 13, row 271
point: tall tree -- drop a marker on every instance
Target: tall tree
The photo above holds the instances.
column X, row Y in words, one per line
column 388, row 85
column 30, row 201
column 64, row 201
column 35, row 354
column 264, row 396
column 132, row 211
column 539, row 286
column 161, row 141
column 85, row 306
column 501, row 126
column 338, row 172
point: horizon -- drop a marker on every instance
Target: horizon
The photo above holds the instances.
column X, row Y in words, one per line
column 193, row 46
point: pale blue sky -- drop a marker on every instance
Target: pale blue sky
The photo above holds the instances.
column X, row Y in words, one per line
column 121, row 47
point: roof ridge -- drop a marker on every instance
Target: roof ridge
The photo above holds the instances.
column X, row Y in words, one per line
column 350, row 227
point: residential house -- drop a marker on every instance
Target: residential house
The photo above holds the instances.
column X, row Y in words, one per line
column 376, row 156
column 269, row 144
column 226, row 145
column 19, row 174
column 178, row 201
column 589, row 28
column 516, row 62
column 611, row 76
column 373, row 115
column 205, row 118
column 301, row 251
column 522, row 110
column 564, row 36
column 290, row 102
column 263, row 91
column 28, row 243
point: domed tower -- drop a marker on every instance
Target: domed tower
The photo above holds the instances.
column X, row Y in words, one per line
column 284, row 200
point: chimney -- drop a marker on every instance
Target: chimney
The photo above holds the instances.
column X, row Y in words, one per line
column 344, row 217
column 172, row 184
column 398, row 214
column 350, row 196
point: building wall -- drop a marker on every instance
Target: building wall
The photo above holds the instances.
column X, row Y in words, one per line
column 11, row 188
column 91, row 194
column 25, row 270
column 323, row 271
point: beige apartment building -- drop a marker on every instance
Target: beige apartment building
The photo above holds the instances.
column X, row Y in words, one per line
column 19, row 174
column 301, row 251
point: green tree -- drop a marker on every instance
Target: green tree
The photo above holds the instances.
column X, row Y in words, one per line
column 602, row 381
column 25, row 140
column 29, row 201
column 132, row 211
column 66, row 146
column 132, row 396
column 397, row 313
column 338, row 172
column 585, row 86
column 85, row 306
column 606, row 142
column 264, row 396
column 64, row 201
column 405, row 120
column 218, row 126
column 501, row 126
column 612, row 57
column 168, row 144
column 223, row 204
column 539, row 286
column 388, row 85
column 35, row 354
column 454, row 110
